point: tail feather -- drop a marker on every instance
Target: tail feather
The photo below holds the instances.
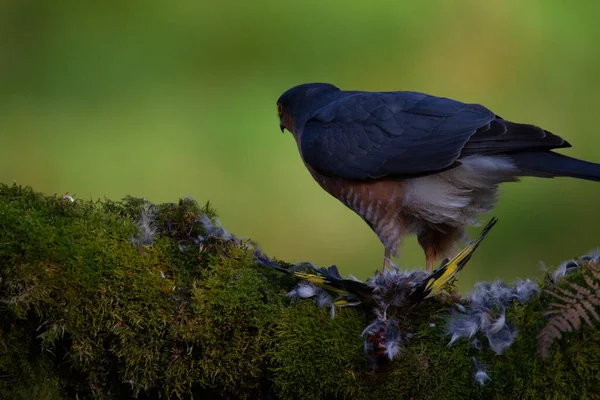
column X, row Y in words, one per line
column 449, row 268
column 548, row 165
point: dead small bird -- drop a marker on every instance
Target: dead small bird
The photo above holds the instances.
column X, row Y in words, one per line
column 388, row 288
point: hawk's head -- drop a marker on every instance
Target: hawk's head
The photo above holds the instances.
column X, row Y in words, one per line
column 297, row 104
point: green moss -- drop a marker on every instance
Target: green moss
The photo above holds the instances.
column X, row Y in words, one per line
column 88, row 311
column 326, row 354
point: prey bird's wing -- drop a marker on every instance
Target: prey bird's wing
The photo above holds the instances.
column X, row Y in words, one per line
column 327, row 278
column 449, row 268
column 369, row 135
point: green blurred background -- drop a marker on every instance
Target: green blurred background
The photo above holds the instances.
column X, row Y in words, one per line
column 163, row 99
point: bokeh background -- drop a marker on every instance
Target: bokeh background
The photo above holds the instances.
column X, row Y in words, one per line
column 162, row 100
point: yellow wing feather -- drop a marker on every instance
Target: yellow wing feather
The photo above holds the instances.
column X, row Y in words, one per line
column 452, row 267
column 320, row 281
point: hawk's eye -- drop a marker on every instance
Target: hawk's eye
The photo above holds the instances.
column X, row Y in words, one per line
column 279, row 109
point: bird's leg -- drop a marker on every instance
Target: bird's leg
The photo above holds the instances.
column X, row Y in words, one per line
column 387, row 256
column 437, row 242
column 430, row 242
column 430, row 257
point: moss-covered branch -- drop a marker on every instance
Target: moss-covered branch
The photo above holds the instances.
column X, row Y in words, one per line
column 112, row 299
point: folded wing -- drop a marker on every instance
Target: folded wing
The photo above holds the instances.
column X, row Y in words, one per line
column 367, row 135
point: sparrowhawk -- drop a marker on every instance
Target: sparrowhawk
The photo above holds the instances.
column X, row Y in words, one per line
column 412, row 163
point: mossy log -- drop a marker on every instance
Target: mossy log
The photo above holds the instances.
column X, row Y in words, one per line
column 90, row 307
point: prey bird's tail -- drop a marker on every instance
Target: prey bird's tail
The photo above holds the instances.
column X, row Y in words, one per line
column 449, row 268
column 547, row 164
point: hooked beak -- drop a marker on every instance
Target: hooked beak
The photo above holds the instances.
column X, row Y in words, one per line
column 281, row 127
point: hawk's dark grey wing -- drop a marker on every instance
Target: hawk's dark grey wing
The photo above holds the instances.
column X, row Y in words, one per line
column 367, row 135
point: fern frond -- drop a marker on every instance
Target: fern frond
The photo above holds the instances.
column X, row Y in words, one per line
column 595, row 300
column 576, row 303
column 587, row 303
column 576, row 314
column 566, row 299
column 570, row 295
column 552, row 331
column 590, row 282
column 557, row 309
column 594, row 268
column 581, row 291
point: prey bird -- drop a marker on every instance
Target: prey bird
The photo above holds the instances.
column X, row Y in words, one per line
column 390, row 287
column 412, row 163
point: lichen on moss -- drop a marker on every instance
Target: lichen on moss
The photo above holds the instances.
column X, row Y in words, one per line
column 88, row 310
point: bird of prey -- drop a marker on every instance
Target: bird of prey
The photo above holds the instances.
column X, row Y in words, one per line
column 412, row 163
